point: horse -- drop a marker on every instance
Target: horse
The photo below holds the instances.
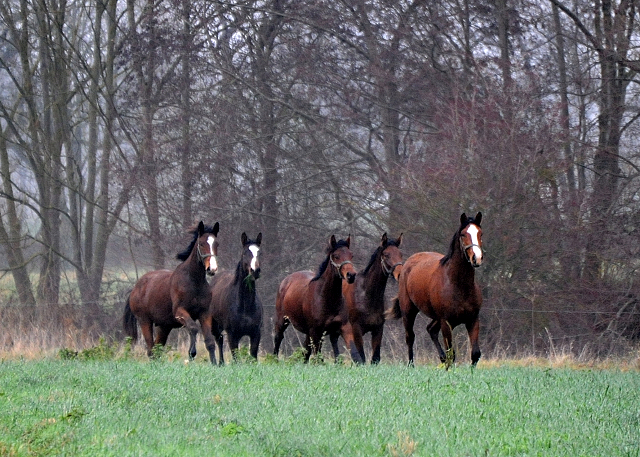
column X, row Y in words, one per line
column 314, row 304
column 235, row 305
column 365, row 297
column 149, row 302
column 443, row 287
column 189, row 289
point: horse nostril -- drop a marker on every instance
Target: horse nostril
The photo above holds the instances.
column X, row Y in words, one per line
column 351, row 277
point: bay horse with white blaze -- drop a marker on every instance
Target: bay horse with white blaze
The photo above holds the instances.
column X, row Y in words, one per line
column 149, row 302
column 365, row 297
column 236, row 307
column 314, row 304
column 443, row 287
column 190, row 293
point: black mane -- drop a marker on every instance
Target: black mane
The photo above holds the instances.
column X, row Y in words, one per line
column 455, row 240
column 185, row 254
column 390, row 242
column 325, row 263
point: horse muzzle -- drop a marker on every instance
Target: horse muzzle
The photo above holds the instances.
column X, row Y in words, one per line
column 255, row 273
column 212, row 268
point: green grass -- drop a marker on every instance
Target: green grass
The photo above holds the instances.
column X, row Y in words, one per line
column 159, row 408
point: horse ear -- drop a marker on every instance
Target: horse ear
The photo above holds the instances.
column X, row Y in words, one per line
column 216, row 229
column 332, row 242
column 463, row 219
column 383, row 240
column 243, row 238
column 200, row 228
column 478, row 218
column 348, row 240
column 259, row 239
column 400, row 240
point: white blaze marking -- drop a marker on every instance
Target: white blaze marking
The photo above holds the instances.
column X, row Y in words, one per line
column 254, row 250
column 213, row 263
column 473, row 233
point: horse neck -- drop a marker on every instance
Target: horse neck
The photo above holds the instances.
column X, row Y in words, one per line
column 246, row 293
column 330, row 286
column 375, row 280
column 461, row 272
column 195, row 267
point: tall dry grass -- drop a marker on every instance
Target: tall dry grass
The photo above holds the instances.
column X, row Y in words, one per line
column 41, row 331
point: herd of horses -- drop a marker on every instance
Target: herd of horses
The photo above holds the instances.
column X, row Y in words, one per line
column 336, row 301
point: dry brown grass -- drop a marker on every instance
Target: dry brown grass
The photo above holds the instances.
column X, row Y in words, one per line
column 40, row 332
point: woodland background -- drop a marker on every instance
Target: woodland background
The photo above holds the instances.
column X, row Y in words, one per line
column 123, row 122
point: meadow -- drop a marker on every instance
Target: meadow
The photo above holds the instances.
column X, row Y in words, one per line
column 125, row 406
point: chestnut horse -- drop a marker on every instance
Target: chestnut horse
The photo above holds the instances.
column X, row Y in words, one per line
column 149, row 302
column 314, row 304
column 365, row 297
column 235, row 305
column 443, row 287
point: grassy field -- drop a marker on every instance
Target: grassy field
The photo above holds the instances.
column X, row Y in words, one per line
column 131, row 407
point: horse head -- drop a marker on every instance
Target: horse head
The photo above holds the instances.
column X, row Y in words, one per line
column 207, row 246
column 391, row 257
column 471, row 238
column 251, row 255
column 340, row 257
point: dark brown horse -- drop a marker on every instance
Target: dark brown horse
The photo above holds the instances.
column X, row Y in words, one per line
column 365, row 297
column 443, row 287
column 149, row 302
column 235, row 305
column 314, row 304
column 190, row 293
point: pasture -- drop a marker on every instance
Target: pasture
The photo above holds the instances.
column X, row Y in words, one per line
column 127, row 406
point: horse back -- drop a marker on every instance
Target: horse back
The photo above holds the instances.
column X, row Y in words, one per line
column 150, row 298
column 293, row 292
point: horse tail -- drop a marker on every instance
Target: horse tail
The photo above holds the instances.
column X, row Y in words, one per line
column 393, row 312
column 129, row 322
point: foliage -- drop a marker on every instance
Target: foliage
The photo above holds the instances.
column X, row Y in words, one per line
column 124, row 407
column 243, row 355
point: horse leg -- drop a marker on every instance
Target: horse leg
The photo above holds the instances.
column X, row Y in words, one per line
column 334, row 344
column 280, row 327
column 206, row 322
column 183, row 316
column 234, row 342
column 408, row 319
column 217, row 334
column 162, row 335
column 376, row 343
column 147, row 332
column 358, row 342
column 255, row 343
column 434, row 332
column 349, row 335
column 473, row 329
column 447, row 338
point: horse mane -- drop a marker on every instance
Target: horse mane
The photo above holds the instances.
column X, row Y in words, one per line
column 325, row 263
column 390, row 242
column 454, row 241
column 194, row 230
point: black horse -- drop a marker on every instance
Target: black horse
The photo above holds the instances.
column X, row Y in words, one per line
column 235, row 305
